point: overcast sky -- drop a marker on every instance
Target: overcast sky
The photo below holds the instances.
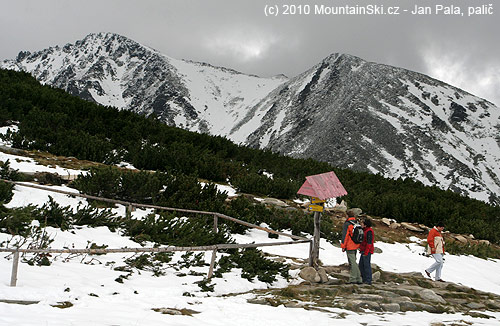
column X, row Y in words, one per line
column 460, row 50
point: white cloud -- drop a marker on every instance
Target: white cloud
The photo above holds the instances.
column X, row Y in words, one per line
column 240, row 45
column 466, row 72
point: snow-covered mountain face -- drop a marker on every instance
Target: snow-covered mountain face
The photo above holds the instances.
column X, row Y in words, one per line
column 386, row 120
column 344, row 110
column 113, row 70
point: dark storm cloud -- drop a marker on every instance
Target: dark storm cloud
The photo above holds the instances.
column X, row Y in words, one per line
column 462, row 51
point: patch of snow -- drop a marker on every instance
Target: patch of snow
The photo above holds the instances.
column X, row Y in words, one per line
column 230, row 191
column 29, row 165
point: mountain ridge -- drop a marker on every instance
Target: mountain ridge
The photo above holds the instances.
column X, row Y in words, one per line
column 344, row 110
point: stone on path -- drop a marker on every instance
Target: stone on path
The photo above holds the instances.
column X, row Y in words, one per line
column 429, row 295
column 310, row 274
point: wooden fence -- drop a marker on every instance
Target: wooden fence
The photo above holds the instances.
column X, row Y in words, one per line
column 129, row 208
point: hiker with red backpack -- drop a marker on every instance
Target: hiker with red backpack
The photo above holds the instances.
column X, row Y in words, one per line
column 366, row 250
column 350, row 246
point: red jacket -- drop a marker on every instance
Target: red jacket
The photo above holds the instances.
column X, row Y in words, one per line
column 435, row 242
column 347, row 242
column 368, row 241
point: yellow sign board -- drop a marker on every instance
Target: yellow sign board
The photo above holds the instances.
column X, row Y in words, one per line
column 316, row 208
column 316, row 200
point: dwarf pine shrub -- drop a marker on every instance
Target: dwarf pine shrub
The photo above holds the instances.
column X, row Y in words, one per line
column 253, row 265
column 480, row 250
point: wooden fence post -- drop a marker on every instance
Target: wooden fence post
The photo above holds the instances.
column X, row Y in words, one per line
column 214, row 252
column 313, row 260
column 15, row 264
column 212, row 263
column 311, row 252
column 216, row 224
column 129, row 210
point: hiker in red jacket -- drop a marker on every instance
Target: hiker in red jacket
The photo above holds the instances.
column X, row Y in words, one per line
column 366, row 251
column 350, row 248
column 435, row 247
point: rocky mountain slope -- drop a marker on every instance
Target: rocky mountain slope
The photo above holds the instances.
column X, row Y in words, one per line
column 344, row 110
column 386, row 120
column 113, row 70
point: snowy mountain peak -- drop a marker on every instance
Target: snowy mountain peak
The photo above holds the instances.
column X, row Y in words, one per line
column 372, row 117
column 113, row 70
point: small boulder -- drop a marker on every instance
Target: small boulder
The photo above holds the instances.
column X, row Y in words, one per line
column 354, row 211
column 310, row 274
column 292, row 304
column 400, row 299
column 357, row 305
column 410, row 227
column 334, row 281
column 368, row 297
column 425, row 307
column 176, row 311
column 386, row 294
column 461, row 238
column 274, row 202
column 493, row 304
column 376, row 276
column 429, row 295
column 370, row 305
column 261, row 301
column 395, row 226
column 323, row 275
column 407, row 306
column 341, row 208
column 386, row 221
column 405, row 292
column 475, row 305
column 390, row 307
column 168, row 311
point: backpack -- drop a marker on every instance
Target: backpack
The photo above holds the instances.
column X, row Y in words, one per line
column 357, row 233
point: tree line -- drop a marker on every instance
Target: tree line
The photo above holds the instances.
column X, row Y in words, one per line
column 51, row 120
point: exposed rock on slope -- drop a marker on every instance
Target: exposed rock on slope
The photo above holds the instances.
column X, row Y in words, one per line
column 386, row 120
column 113, row 70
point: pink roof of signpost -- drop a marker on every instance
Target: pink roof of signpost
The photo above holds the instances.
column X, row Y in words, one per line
column 323, row 186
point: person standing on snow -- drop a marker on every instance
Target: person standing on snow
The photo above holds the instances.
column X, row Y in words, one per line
column 366, row 250
column 348, row 245
column 435, row 247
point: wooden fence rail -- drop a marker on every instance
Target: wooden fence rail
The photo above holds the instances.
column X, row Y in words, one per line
column 129, row 206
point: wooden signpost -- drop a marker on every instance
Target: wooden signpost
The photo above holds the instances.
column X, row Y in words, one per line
column 320, row 187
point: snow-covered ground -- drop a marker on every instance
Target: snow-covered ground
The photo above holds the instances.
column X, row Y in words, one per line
column 88, row 282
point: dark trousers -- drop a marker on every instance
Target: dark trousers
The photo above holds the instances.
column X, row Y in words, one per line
column 365, row 268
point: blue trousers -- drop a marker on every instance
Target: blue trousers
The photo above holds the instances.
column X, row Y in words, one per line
column 365, row 268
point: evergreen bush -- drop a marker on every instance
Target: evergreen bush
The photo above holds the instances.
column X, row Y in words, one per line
column 6, row 193
column 168, row 229
column 253, row 265
column 480, row 250
column 17, row 220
